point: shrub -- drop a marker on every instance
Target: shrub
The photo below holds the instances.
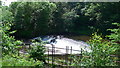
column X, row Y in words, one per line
column 115, row 38
column 37, row 51
column 101, row 51
column 11, row 61
column 8, row 43
column 115, row 35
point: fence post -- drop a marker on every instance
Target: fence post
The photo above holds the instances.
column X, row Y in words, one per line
column 48, row 55
column 81, row 53
column 52, row 55
column 70, row 56
column 53, row 52
column 18, row 52
column 81, row 56
column 66, row 55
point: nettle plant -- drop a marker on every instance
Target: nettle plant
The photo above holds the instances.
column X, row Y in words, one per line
column 101, row 51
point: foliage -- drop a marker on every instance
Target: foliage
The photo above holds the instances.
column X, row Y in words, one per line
column 115, row 38
column 8, row 42
column 11, row 61
column 115, row 35
column 34, row 19
column 101, row 51
column 68, row 19
column 31, row 18
column 58, row 18
column 6, row 15
column 101, row 15
column 10, row 45
column 37, row 51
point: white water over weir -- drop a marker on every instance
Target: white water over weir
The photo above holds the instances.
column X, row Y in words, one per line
column 60, row 44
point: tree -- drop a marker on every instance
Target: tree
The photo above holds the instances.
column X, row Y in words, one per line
column 102, row 14
column 57, row 23
column 32, row 18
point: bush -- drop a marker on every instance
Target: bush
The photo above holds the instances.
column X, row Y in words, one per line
column 37, row 51
column 115, row 38
column 101, row 51
column 115, row 35
column 8, row 43
column 11, row 61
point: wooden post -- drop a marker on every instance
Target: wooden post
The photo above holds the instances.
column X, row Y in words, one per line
column 81, row 56
column 81, row 52
column 48, row 55
column 29, row 46
column 70, row 56
column 53, row 52
column 66, row 55
column 52, row 55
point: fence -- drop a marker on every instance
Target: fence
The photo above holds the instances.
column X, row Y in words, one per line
column 64, row 59
column 68, row 58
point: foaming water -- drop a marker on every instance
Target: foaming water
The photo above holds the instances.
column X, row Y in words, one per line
column 77, row 46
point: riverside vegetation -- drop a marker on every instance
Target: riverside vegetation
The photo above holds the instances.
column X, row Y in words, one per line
column 31, row 19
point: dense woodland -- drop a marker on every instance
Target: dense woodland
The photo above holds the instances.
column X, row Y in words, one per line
column 32, row 19
column 73, row 18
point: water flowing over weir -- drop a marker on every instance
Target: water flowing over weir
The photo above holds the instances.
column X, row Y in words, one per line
column 60, row 44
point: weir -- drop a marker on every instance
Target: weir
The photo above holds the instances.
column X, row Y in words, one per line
column 60, row 43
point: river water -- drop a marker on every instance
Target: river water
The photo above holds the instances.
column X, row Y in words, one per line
column 63, row 42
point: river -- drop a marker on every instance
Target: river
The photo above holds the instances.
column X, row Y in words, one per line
column 63, row 42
